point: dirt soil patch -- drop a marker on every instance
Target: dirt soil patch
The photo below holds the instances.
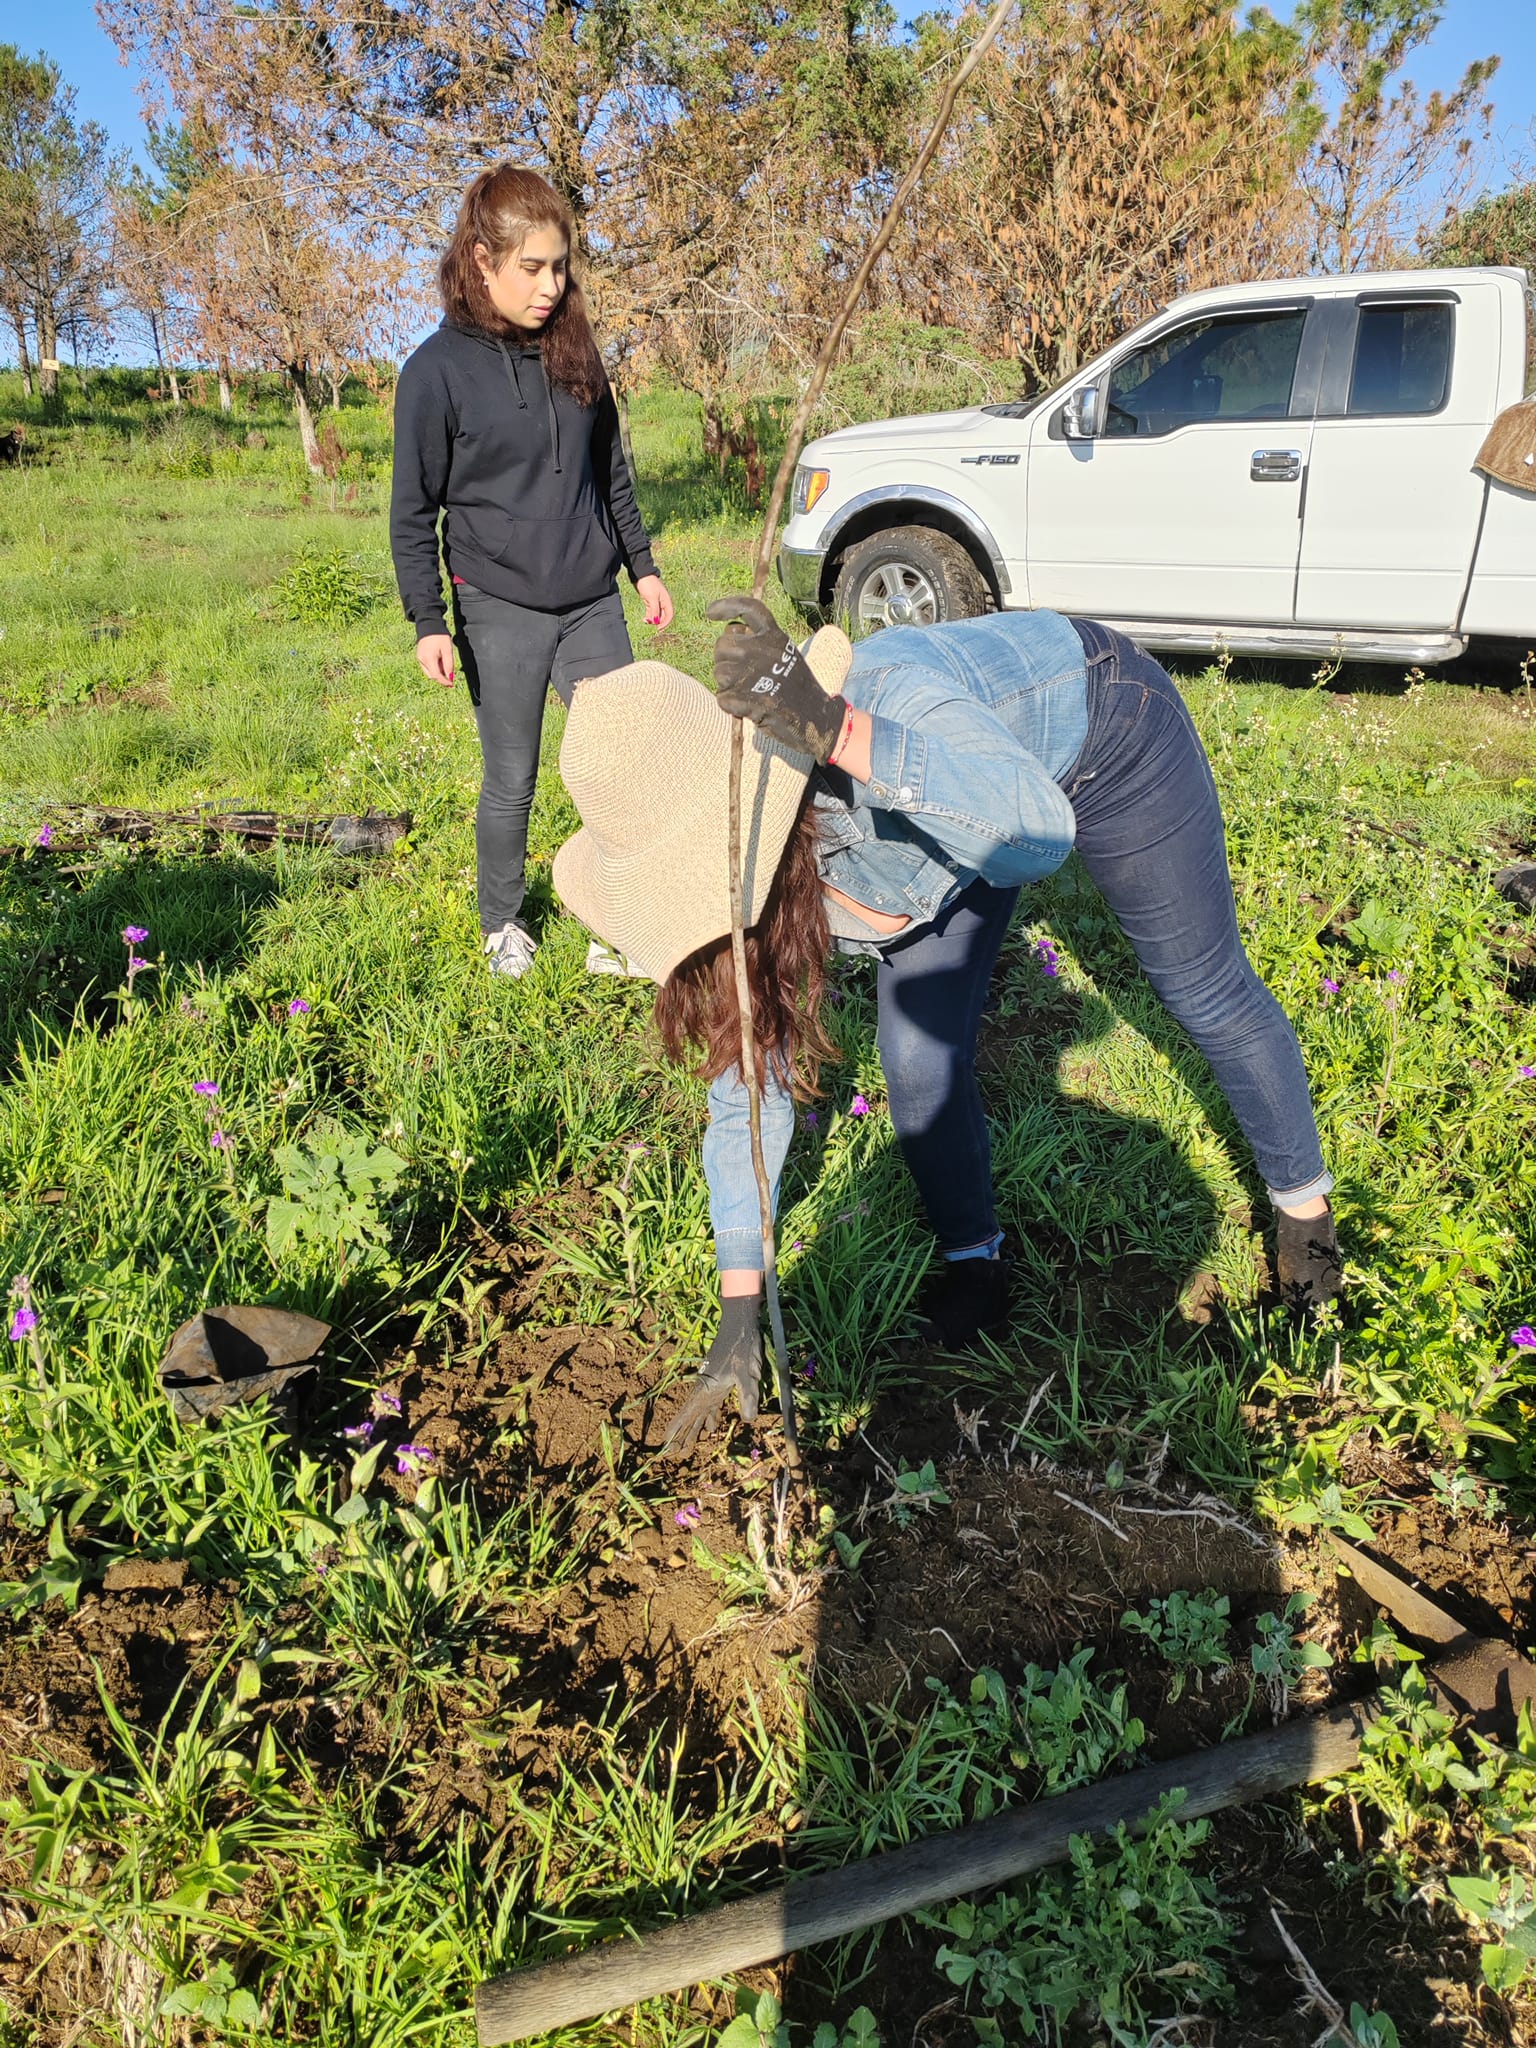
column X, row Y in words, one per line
column 140, row 1647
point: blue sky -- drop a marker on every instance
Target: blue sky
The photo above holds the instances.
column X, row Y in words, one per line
column 68, row 31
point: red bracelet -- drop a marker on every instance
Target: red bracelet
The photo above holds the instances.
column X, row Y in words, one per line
column 843, row 737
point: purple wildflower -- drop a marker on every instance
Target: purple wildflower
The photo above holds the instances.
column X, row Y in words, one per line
column 135, row 934
column 1330, row 988
column 757, row 1452
column 298, row 1007
column 1050, row 959
column 360, row 1432
column 389, row 1402
column 809, row 1372
column 810, row 1120
column 798, row 1245
column 205, row 1087
column 409, row 1456
column 23, row 1324
column 858, row 1106
column 218, row 1141
column 1524, row 1338
column 135, row 963
column 688, row 1516
column 1393, row 975
column 1529, row 1073
column 45, row 837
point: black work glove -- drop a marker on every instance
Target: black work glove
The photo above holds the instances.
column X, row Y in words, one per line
column 735, row 1360
column 762, row 676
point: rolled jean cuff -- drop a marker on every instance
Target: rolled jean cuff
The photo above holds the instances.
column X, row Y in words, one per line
column 1285, row 1197
column 739, row 1251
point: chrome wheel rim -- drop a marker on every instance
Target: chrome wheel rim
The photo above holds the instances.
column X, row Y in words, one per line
column 895, row 594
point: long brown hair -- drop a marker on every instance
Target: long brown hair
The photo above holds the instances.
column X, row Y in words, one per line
column 696, row 1006
column 501, row 209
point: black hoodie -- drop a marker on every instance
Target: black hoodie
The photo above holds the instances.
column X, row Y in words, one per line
column 538, row 502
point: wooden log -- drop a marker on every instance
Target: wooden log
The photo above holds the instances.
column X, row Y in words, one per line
column 926, row 1873
column 371, row 832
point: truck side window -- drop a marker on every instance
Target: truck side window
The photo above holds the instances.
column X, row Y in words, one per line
column 1402, row 359
column 1222, row 367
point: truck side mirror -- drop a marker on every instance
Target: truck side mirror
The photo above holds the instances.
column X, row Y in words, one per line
column 1080, row 414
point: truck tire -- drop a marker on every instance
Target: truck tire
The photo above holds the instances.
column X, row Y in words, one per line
column 907, row 576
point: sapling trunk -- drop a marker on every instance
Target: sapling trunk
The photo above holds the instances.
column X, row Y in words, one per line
column 810, row 397
column 755, row 1110
column 794, row 442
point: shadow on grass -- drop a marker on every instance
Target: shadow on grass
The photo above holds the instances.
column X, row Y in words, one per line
column 65, row 920
column 1484, row 665
column 1111, row 1230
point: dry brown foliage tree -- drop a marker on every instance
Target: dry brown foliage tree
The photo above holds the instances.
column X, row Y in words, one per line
column 391, row 106
column 1116, row 153
column 274, row 240
column 762, row 148
column 274, row 286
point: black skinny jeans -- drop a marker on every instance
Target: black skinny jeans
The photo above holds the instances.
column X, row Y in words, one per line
column 510, row 656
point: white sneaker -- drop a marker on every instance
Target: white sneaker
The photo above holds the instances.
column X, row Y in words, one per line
column 511, row 950
column 603, row 959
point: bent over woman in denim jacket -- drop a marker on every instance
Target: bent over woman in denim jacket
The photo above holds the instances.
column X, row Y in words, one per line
column 896, row 797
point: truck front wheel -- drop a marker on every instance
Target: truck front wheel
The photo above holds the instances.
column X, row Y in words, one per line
column 910, row 576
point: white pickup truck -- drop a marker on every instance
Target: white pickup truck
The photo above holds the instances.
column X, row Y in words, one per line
column 1281, row 468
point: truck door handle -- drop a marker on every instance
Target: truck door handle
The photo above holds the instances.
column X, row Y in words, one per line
column 1275, row 465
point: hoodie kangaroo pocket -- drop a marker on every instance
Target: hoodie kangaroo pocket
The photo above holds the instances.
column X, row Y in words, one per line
column 557, row 554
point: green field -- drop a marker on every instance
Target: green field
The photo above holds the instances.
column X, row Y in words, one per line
column 364, row 1756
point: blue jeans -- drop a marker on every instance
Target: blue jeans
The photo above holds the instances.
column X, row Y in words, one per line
column 1149, row 832
column 510, row 656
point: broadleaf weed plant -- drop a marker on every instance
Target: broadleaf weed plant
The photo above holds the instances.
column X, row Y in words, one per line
column 759, row 2023
column 1431, row 1789
column 1504, row 1902
column 882, row 1777
column 1191, row 1632
column 1132, row 1923
column 1279, row 1658
column 333, row 1184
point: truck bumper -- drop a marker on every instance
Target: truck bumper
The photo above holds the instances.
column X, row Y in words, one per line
column 800, row 573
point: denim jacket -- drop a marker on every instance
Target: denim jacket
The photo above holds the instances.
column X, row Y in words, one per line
column 975, row 727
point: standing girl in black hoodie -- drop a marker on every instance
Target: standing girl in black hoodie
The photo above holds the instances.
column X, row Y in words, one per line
column 506, row 426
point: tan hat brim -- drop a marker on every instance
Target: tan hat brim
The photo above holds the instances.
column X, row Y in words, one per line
column 662, row 894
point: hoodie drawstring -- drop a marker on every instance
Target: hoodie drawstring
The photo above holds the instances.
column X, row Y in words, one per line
column 509, row 364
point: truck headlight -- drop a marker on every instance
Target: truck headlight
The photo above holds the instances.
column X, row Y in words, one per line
column 809, row 485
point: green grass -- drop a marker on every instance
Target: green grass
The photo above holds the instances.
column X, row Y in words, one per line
column 148, row 659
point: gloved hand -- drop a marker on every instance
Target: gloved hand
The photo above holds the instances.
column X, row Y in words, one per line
column 735, row 1360
column 760, row 675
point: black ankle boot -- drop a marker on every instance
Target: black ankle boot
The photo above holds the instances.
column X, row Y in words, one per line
column 1307, row 1267
column 966, row 1299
